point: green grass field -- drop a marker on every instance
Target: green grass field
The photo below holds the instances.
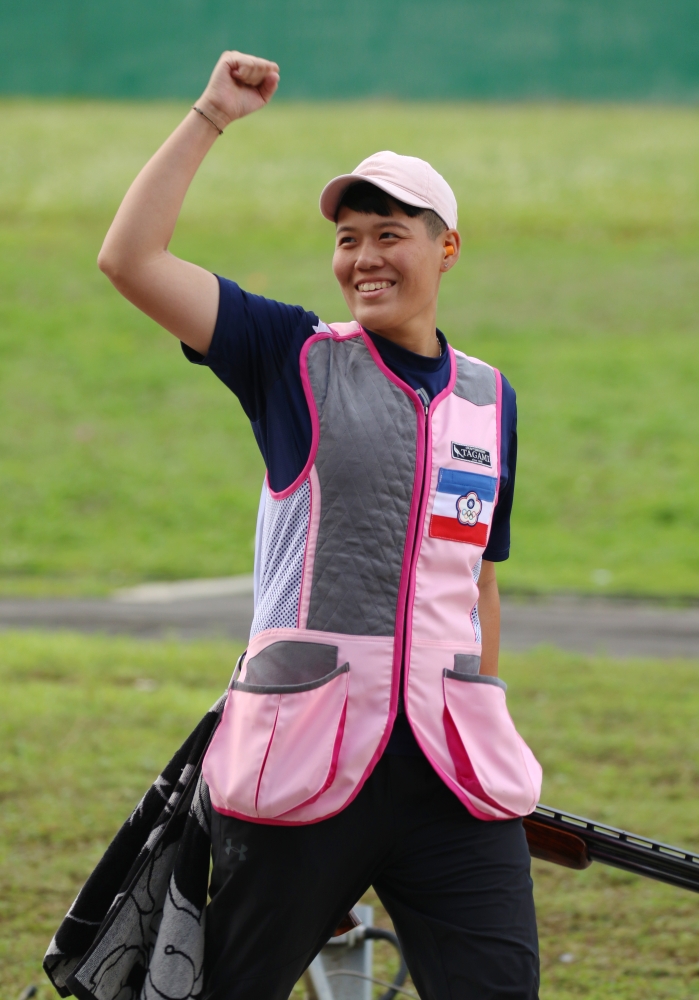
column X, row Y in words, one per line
column 119, row 462
column 89, row 721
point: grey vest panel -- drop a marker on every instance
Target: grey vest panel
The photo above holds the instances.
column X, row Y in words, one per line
column 366, row 466
column 476, row 383
column 284, row 663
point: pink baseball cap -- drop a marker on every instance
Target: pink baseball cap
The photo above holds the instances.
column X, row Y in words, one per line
column 405, row 178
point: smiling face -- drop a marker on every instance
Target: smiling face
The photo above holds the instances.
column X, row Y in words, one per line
column 389, row 270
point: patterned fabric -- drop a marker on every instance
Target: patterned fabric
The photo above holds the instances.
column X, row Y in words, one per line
column 283, row 544
column 136, row 929
column 366, row 470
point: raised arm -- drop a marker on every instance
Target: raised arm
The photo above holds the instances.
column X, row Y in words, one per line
column 181, row 296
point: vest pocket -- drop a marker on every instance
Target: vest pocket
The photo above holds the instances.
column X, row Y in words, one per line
column 278, row 744
column 491, row 760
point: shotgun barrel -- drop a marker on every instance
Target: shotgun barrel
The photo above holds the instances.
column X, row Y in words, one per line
column 575, row 842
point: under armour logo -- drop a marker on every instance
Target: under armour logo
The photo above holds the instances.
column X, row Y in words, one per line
column 240, row 851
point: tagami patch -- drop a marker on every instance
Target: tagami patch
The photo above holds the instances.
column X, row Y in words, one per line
column 463, row 507
column 469, row 453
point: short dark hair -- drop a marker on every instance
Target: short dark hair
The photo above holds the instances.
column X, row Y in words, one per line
column 370, row 200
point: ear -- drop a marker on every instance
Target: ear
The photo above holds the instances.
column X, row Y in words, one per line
column 450, row 242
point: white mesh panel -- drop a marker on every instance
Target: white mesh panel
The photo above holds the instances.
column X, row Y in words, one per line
column 282, row 546
column 475, row 621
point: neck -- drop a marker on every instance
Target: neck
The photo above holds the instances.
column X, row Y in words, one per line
column 418, row 334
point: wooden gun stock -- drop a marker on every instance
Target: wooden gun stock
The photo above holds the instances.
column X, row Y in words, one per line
column 561, row 847
column 347, row 923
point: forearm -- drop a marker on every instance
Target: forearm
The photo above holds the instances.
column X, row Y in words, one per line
column 489, row 615
column 145, row 221
column 179, row 295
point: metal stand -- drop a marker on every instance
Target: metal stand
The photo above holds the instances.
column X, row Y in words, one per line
column 351, row 952
column 344, row 968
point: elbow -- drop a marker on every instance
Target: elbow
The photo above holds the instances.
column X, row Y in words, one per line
column 117, row 268
column 124, row 268
column 108, row 263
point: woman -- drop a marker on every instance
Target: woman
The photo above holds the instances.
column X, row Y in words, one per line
column 365, row 739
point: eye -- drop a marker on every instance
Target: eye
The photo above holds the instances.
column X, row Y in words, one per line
column 344, row 240
column 388, row 236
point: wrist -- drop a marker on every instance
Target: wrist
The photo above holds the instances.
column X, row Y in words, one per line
column 213, row 112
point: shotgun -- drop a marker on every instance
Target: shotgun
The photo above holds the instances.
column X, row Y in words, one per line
column 575, row 842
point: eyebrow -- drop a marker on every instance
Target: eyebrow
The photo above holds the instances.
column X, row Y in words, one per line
column 377, row 225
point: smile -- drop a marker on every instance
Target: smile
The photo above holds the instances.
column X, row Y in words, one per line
column 374, row 286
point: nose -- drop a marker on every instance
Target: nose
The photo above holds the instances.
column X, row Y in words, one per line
column 368, row 257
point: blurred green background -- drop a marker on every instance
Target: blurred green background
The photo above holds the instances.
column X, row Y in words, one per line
column 504, row 49
column 120, row 462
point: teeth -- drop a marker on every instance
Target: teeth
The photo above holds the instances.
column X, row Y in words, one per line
column 372, row 286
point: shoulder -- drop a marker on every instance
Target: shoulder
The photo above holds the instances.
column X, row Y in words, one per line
column 475, row 380
column 239, row 309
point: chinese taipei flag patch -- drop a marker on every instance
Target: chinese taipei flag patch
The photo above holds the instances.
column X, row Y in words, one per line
column 463, row 507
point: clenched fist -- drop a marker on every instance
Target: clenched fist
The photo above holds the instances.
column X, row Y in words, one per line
column 239, row 85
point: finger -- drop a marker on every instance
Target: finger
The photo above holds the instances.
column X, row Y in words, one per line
column 251, row 70
column 268, row 86
column 249, row 60
column 252, row 77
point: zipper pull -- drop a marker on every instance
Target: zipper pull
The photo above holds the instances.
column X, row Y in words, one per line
column 425, row 399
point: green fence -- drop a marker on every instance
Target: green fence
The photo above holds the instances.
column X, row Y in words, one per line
column 503, row 49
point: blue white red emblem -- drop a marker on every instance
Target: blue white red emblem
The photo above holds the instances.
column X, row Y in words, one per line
column 463, row 507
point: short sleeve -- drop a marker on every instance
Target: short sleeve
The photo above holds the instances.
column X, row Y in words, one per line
column 498, row 547
column 252, row 343
column 255, row 351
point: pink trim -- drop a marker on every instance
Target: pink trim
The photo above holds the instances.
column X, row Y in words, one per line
column 425, row 495
column 310, row 553
column 498, row 444
column 459, row 792
column 315, row 423
column 312, row 409
column 462, row 764
column 333, row 763
column 449, row 782
column 402, row 626
column 281, row 822
column 264, row 759
column 498, row 423
column 464, row 799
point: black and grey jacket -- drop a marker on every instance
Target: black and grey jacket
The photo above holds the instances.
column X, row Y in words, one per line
column 136, row 929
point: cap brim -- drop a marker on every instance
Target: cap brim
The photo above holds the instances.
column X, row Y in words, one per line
column 332, row 193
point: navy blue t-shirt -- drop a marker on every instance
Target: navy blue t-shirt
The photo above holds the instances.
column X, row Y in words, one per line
column 255, row 352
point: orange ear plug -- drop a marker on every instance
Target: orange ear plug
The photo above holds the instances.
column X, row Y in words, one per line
column 448, row 251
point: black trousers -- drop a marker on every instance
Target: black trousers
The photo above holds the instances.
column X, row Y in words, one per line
column 458, row 891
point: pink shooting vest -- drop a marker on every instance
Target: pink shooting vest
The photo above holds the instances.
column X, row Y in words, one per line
column 370, row 560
